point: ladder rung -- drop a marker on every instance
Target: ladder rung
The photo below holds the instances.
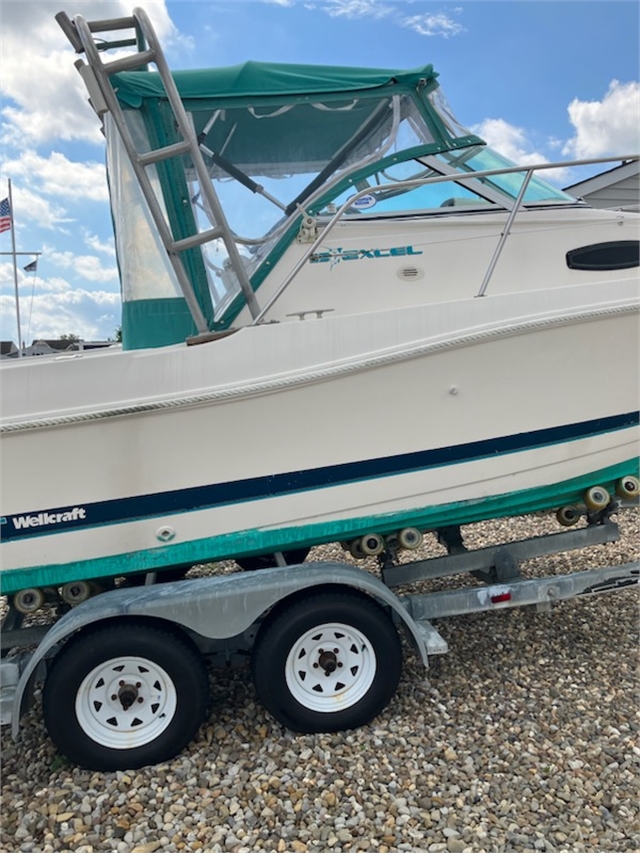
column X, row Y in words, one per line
column 195, row 240
column 111, row 24
column 129, row 63
column 114, row 45
column 158, row 154
column 69, row 29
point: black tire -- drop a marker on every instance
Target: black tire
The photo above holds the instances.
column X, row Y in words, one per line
column 267, row 561
column 327, row 662
column 124, row 696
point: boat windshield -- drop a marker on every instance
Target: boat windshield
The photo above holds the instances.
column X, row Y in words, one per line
column 480, row 158
column 387, row 197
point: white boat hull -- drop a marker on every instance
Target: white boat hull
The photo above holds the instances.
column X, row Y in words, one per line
column 296, row 433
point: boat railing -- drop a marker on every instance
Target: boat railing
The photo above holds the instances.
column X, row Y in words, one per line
column 310, row 223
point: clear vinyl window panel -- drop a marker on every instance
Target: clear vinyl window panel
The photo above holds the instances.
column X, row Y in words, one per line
column 145, row 270
column 266, row 165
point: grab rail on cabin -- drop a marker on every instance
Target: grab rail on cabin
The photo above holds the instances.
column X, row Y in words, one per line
column 412, row 184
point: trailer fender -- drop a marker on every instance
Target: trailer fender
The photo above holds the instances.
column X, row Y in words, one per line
column 218, row 607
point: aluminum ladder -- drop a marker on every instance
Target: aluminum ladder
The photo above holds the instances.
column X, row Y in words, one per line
column 97, row 78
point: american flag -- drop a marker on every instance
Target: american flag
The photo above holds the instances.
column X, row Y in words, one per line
column 5, row 215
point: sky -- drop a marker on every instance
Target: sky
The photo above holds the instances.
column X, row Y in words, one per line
column 539, row 80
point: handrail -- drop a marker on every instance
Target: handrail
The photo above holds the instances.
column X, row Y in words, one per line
column 505, row 234
column 411, row 184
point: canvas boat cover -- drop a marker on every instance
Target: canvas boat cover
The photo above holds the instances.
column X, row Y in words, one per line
column 264, row 79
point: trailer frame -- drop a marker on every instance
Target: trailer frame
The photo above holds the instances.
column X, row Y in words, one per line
column 224, row 617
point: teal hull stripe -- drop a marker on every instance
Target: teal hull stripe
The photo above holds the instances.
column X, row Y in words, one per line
column 66, row 519
column 255, row 541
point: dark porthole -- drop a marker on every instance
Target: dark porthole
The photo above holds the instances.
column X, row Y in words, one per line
column 616, row 255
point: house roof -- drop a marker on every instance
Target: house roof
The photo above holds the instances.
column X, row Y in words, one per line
column 55, row 343
column 605, row 179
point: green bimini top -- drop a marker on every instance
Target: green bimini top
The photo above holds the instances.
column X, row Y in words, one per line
column 286, row 133
column 302, row 115
column 265, row 80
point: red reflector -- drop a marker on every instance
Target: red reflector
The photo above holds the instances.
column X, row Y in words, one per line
column 503, row 596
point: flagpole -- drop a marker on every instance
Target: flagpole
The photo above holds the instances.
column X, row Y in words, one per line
column 15, row 271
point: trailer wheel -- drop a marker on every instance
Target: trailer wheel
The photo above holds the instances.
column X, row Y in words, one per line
column 328, row 662
column 124, row 696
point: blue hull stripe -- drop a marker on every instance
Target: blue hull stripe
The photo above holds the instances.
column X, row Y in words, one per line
column 64, row 519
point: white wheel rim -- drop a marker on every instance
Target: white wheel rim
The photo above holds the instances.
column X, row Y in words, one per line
column 126, row 702
column 330, row 667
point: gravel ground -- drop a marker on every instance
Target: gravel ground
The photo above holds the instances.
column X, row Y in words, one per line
column 521, row 739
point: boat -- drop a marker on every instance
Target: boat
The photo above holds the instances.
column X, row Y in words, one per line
column 345, row 318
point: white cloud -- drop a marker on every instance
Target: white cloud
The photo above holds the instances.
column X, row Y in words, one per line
column 58, row 176
column 508, row 140
column 512, row 142
column 31, row 207
column 49, row 100
column 433, row 24
column 356, row 9
column 97, row 245
column 32, row 283
column 609, row 126
column 424, row 23
column 52, row 306
column 92, row 315
column 44, row 107
column 87, row 267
